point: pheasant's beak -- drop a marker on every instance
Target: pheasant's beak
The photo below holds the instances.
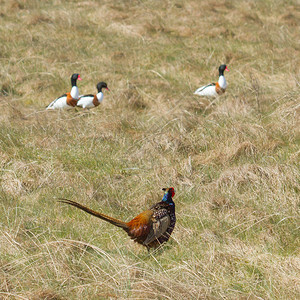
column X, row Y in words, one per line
column 165, row 189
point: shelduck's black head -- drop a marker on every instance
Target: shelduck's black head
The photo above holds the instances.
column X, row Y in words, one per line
column 222, row 68
column 169, row 194
column 102, row 85
column 74, row 79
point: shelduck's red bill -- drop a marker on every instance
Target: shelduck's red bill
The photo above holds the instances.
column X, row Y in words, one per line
column 107, row 88
column 79, row 78
column 226, row 69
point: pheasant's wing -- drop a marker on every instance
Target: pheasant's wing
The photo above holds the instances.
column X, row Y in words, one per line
column 139, row 227
column 159, row 227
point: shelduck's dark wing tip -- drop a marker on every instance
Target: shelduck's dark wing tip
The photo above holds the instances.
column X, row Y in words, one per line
column 88, row 95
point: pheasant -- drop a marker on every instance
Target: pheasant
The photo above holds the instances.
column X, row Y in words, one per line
column 151, row 228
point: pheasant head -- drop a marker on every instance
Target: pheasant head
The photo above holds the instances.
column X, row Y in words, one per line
column 169, row 194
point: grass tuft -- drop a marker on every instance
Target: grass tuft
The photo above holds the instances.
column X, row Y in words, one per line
column 234, row 160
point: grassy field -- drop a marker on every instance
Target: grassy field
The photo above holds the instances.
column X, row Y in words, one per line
column 233, row 161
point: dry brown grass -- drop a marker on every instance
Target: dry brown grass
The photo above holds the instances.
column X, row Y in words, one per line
column 233, row 161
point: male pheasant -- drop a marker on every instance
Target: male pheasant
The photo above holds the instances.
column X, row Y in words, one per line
column 150, row 228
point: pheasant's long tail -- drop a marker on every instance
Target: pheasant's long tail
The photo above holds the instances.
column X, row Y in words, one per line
column 104, row 217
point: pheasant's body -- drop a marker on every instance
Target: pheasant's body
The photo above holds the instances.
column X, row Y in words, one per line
column 150, row 228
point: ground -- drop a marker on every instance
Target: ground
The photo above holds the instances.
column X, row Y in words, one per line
column 233, row 161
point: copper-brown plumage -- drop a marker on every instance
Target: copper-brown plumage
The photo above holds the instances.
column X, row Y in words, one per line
column 150, row 228
column 70, row 100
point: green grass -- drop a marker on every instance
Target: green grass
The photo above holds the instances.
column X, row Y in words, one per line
column 234, row 162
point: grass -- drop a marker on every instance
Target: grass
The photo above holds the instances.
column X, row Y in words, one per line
column 233, row 161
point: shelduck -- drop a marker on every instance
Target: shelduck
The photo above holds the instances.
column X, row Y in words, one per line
column 89, row 101
column 67, row 100
column 214, row 89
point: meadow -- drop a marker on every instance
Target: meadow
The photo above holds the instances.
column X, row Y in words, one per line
column 233, row 161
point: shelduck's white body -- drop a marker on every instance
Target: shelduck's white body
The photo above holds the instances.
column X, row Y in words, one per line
column 67, row 100
column 214, row 89
column 59, row 103
column 90, row 101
